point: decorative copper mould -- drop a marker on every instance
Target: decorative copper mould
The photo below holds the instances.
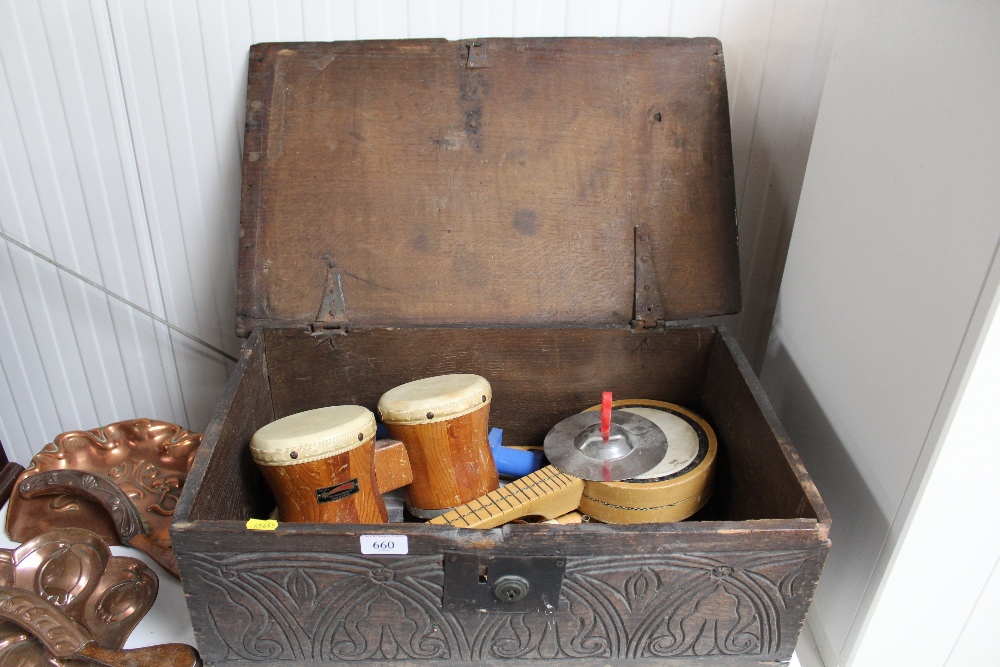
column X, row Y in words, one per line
column 146, row 460
column 66, row 587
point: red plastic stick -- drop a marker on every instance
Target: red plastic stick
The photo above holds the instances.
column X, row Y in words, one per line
column 606, row 415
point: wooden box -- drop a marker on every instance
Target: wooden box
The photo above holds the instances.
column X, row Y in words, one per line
column 539, row 212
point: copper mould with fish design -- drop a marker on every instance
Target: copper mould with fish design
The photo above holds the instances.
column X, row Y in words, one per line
column 138, row 462
column 68, row 574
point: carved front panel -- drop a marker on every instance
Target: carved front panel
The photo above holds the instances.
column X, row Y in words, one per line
column 278, row 607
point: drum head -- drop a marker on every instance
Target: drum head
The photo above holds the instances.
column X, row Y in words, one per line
column 434, row 399
column 312, row 435
column 687, row 443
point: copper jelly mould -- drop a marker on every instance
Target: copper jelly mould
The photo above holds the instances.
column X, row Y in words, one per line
column 73, row 569
column 149, row 460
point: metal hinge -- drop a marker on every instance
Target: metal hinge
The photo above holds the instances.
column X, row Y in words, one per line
column 329, row 327
column 649, row 312
column 331, row 318
column 639, row 325
column 477, row 55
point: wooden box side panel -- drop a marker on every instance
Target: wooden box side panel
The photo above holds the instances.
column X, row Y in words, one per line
column 760, row 475
column 224, row 482
column 538, row 376
column 739, row 599
column 727, row 593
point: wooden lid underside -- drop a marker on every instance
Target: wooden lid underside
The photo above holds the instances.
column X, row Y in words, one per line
column 388, row 183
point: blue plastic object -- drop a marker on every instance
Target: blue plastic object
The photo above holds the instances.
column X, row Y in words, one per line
column 512, row 463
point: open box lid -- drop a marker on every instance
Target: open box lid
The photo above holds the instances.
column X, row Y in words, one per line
column 487, row 182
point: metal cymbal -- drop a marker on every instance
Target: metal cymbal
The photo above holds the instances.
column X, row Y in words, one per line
column 634, row 446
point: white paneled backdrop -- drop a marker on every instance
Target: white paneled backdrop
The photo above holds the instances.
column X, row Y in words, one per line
column 120, row 130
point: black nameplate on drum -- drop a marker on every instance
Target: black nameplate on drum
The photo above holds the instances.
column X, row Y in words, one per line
column 337, row 492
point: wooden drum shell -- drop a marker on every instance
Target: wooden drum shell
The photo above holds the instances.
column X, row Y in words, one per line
column 295, row 488
column 451, row 459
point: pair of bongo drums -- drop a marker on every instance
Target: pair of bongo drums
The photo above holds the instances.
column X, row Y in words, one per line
column 325, row 466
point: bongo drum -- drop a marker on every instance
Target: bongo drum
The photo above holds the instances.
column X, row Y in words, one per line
column 443, row 421
column 320, row 465
column 676, row 488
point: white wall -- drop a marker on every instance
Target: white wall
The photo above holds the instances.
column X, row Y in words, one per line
column 887, row 287
column 951, row 530
column 120, row 131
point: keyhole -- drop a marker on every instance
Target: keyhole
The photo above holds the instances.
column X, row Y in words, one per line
column 511, row 588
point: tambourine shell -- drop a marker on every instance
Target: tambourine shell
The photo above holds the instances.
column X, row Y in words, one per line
column 666, row 496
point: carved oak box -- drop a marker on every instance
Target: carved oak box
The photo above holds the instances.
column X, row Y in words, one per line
column 539, row 212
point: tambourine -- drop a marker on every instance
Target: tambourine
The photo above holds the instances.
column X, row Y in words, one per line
column 674, row 489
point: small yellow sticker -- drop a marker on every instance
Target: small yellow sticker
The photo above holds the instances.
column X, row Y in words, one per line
column 262, row 524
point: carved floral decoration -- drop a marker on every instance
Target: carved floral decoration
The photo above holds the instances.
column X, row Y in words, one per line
column 302, row 607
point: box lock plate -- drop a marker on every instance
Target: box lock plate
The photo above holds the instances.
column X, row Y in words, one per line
column 512, row 584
